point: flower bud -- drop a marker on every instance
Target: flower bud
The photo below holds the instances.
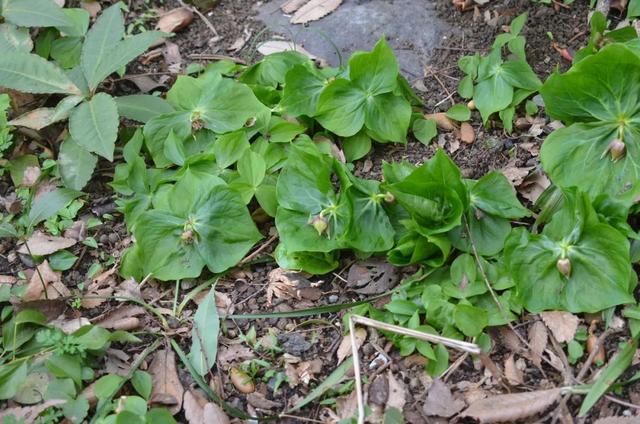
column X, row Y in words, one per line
column 471, row 105
column 616, row 148
column 187, row 236
column 564, row 266
column 320, row 223
column 389, row 197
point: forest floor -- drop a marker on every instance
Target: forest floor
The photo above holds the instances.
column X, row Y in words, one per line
column 306, row 349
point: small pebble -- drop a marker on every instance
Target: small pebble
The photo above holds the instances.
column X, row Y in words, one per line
column 113, row 238
column 333, row 298
column 104, row 239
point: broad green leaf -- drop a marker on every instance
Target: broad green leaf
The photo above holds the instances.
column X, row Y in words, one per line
column 488, row 233
column 251, row 168
column 34, row 13
column 142, row 107
column 516, row 25
column 519, row 74
column 371, row 229
column 18, row 165
column 492, row 95
column 375, row 72
column 120, row 54
column 272, row 70
column 49, row 204
column 341, row 108
column 230, row 147
column 62, row 260
column 633, row 9
column 204, row 335
column 75, row 410
column 75, row 164
column 12, row 375
column 470, row 319
column 94, row 125
column 99, row 42
column 424, row 130
column 142, row 382
column 106, row 387
column 78, row 22
column 66, row 51
column 459, row 112
column 388, row 116
column 302, row 88
column 217, row 103
column 65, row 366
column 597, row 99
column 493, row 194
column 317, row 263
column 14, row 39
column 598, row 255
column 7, row 230
column 614, row 369
column 356, row 147
column 414, row 248
column 282, row 131
column 31, row 73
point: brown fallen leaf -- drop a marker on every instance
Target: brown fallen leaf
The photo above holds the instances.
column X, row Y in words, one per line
column 600, row 357
column 344, row 350
column 291, row 6
column 167, row 388
column 511, row 372
column 197, row 410
column 41, row 244
column 44, row 278
column 537, row 342
column 440, row 402
column 233, row 353
column 372, row 277
column 240, row 41
column 175, row 20
column 379, row 390
column 28, row 414
column 35, row 119
column 277, row 46
column 8, row 279
column 259, row 401
column 290, row 285
column 120, row 317
column 347, row 406
column 618, row 420
column 516, row 175
column 307, row 370
column 511, row 407
column 442, row 121
column 314, row 10
column 467, row 134
column 563, row 325
column 241, row 381
column 397, row 394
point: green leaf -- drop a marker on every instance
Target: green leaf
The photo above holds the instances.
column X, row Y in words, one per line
column 230, row 147
column 49, row 204
column 596, row 100
column 374, row 72
column 302, row 88
column 388, row 116
column 34, row 13
column 202, row 223
column 78, row 22
column 65, row 366
column 94, row 125
column 598, row 255
column 470, row 319
column 493, row 194
column 142, row 107
column 18, row 166
column 492, row 95
column 519, row 74
column 633, row 9
column 516, row 25
column 614, row 369
column 62, row 260
column 14, row 39
column 142, row 383
column 99, row 42
column 75, row 410
column 424, row 130
column 272, row 70
column 43, row 117
column 31, row 73
column 317, row 263
column 341, row 108
column 75, row 164
column 459, row 112
column 204, row 335
column 251, row 168
column 371, row 229
column 120, row 54
column 12, row 375
column 106, row 387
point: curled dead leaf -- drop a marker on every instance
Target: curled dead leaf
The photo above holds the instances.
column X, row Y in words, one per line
column 28, row 414
column 175, row 20
column 167, row 388
column 314, row 10
column 511, row 407
column 41, row 244
column 440, row 402
column 537, row 342
column 344, row 350
column 241, row 381
column 44, row 278
column 563, row 325
column 291, row 6
column 592, row 341
column 442, row 121
column 197, row 410
column 512, row 372
column 372, row 277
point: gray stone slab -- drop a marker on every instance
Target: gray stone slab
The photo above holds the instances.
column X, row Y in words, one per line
column 411, row 27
